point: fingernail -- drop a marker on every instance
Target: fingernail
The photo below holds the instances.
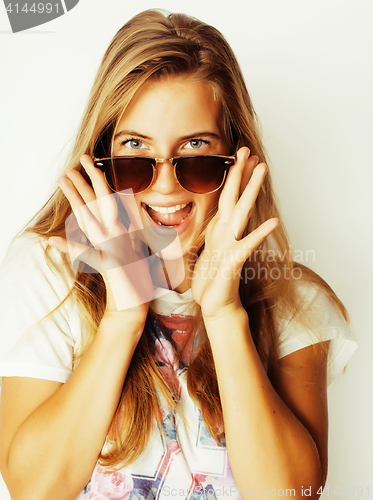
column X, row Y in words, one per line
column 85, row 166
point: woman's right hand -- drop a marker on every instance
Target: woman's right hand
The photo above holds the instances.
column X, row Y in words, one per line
column 60, row 428
column 116, row 254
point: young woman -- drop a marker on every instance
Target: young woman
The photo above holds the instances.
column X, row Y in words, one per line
column 165, row 344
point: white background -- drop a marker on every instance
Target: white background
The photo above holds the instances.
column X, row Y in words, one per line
column 309, row 71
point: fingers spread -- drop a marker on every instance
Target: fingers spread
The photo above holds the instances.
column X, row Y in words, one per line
column 240, row 192
column 106, row 206
column 77, row 252
column 230, row 193
column 97, row 177
column 72, row 194
column 245, row 204
column 251, row 163
column 84, row 189
column 251, row 242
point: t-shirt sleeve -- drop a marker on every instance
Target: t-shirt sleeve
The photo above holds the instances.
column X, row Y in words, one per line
column 324, row 321
column 36, row 339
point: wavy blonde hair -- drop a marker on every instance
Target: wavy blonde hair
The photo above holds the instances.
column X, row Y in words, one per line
column 156, row 44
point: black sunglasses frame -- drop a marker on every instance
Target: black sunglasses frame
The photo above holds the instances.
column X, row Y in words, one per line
column 103, row 164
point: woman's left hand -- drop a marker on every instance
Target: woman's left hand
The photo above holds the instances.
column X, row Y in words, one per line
column 217, row 273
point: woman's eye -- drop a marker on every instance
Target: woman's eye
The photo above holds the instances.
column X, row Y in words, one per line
column 133, row 144
column 196, row 143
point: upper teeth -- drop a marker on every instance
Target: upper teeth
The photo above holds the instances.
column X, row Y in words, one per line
column 168, row 210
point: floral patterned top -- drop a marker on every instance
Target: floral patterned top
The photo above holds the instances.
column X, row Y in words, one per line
column 184, row 461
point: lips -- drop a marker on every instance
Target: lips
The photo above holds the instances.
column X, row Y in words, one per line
column 169, row 219
column 178, row 220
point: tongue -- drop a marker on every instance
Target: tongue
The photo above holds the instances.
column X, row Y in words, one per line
column 173, row 219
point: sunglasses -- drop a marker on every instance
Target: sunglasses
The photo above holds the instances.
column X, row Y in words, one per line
column 196, row 174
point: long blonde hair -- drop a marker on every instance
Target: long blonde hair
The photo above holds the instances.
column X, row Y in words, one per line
column 156, row 44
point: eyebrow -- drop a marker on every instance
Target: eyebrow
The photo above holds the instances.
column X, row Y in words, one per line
column 212, row 135
column 130, row 132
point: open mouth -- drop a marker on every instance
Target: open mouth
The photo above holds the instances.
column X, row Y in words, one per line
column 169, row 216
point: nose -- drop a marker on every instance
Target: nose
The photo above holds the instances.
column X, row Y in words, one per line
column 165, row 182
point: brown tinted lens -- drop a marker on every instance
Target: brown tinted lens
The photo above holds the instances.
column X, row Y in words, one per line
column 201, row 174
column 128, row 173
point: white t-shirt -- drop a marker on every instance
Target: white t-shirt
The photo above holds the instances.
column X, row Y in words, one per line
column 182, row 460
